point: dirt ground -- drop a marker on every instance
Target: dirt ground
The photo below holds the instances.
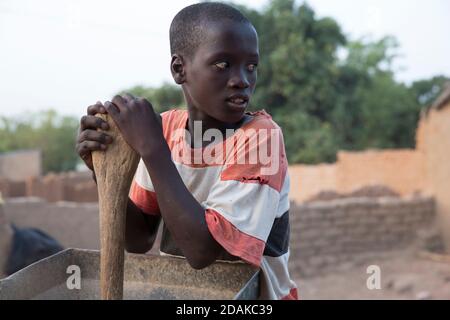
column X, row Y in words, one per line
column 409, row 275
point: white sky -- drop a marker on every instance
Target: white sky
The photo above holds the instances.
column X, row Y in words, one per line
column 66, row 55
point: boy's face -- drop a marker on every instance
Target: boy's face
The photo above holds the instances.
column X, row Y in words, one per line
column 221, row 76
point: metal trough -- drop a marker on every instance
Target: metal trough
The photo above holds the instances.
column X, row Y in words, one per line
column 147, row 277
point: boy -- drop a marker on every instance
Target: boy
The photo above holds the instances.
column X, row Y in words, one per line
column 216, row 201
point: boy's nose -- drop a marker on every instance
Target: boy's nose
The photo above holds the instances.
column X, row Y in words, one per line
column 239, row 81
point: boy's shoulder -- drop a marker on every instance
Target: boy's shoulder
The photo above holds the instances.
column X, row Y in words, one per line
column 261, row 120
column 173, row 120
column 173, row 114
column 258, row 120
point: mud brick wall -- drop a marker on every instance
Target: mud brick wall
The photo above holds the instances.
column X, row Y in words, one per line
column 10, row 188
column 71, row 186
column 402, row 170
column 6, row 234
column 49, row 187
column 327, row 235
column 433, row 140
column 81, row 192
column 19, row 165
column 74, row 225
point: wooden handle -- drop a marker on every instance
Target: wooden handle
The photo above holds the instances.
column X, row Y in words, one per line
column 114, row 170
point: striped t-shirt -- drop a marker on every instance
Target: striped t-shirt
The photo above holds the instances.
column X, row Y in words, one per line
column 243, row 184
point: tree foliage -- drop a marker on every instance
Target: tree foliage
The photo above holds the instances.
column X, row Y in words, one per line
column 163, row 98
column 325, row 102
column 52, row 134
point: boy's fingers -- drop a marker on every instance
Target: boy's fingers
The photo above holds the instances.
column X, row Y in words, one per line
column 96, row 108
column 101, row 108
column 87, row 158
column 93, row 122
column 86, row 155
column 93, row 135
column 86, row 147
column 128, row 97
column 120, row 102
column 144, row 102
column 112, row 110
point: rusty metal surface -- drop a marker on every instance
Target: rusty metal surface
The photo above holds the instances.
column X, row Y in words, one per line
column 146, row 277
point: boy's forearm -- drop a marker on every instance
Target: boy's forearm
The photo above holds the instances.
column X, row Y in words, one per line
column 182, row 214
column 140, row 232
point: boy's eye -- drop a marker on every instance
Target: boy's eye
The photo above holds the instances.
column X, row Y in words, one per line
column 221, row 65
column 252, row 67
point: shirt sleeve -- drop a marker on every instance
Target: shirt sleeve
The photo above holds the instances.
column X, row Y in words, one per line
column 142, row 192
column 243, row 204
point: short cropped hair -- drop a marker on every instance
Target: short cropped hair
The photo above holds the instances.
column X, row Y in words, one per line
column 186, row 29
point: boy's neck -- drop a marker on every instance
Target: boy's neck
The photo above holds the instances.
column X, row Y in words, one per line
column 208, row 122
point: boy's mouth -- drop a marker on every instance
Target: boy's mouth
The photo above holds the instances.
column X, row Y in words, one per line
column 238, row 100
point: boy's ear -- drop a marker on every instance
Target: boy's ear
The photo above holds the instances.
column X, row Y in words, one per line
column 178, row 69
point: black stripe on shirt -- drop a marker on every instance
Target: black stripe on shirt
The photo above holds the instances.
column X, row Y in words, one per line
column 277, row 243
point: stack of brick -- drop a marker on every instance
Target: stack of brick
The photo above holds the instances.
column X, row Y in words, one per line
column 10, row 188
column 49, row 187
column 328, row 234
column 6, row 236
column 73, row 225
column 71, row 186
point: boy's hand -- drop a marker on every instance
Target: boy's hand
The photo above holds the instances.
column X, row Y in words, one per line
column 89, row 139
column 137, row 121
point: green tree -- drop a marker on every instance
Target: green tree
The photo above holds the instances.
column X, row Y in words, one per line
column 325, row 103
column 375, row 110
column 163, row 98
column 52, row 134
column 297, row 76
column 307, row 139
column 426, row 91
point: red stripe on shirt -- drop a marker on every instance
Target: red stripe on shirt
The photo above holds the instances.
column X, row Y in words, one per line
column 249, row 172
column 144, row 199
column 293, row 295
column 237, row 243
